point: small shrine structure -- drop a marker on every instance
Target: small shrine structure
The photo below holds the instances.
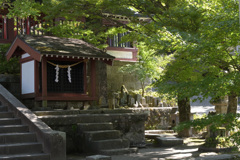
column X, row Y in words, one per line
column 57, row 69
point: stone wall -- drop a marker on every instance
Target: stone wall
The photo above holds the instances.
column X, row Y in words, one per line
column 158, row 117
column 116, row 79
column 131, row 126
column 11, row 83
column 101, row 82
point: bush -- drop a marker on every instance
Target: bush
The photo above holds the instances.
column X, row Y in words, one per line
column 8, row 67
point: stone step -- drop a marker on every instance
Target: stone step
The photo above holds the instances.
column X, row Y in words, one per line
column 6, row 115
column 36, row 156
column 3, row 108
column 120, row 151
column 95, row 126
column 13, row 128
column 20, row 148
column 101, row 135
column 75, row 112
column 168, row 141
column 60, row 112
column 10, row 121
column 109, row 144
column 10, row 138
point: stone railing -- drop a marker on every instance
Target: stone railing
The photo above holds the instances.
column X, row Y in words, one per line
column 54, row 142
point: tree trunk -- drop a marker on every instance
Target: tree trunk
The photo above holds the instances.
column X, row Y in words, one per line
column 184, row 114
column 232, row 103
column 143, row 88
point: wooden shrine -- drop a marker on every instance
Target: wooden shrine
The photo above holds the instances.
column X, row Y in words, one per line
column 57, row 69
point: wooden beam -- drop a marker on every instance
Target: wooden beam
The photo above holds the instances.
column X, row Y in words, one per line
column 5, row 36
column 36, row 78
column 93, row 78
column 109, row 62
column 28, row 26
column 85, row 77
column 27, row 59
column 10, row 29
column 44, row 77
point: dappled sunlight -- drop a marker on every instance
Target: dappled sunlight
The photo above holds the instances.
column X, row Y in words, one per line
column 202, row 109
column 179, row 156
column 161, row 153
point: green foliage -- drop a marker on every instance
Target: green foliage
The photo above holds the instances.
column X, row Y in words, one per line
column 24, row 8
column 201, row 36
column 229, row 121
column 8, row 67
column 148, row 65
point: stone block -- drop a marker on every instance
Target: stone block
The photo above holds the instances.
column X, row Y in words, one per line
column 138, row 97
column 132, row 102
column 98, row 157
column 86, row 106
column 165, row 104
column 168, row 141
column 143, row 102
column 147, row 99
column 102, row 101
column 160, row 104
column 159, row 101
column 111, row 103
column 154, row 102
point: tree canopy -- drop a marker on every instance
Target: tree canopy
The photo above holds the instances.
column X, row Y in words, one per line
column 202, row 35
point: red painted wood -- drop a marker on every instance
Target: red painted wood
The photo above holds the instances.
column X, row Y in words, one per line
column 5, row 28
column 122, row 49
column 21, row 77
column 93, row 78
column 28, row 26
column 19, row 43
column 44, row 77
column 85, row 77
column 27, row 59
column 5, row 41
column 27, row 96
column 59, row 58
column 36, row 78
column 10, row 29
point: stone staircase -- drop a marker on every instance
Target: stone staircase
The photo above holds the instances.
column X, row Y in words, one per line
column 16, row 142
column 103, row 139
column 94, row 131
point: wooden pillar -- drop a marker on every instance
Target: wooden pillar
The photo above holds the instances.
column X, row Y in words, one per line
column 28, row 26
column 44, row 82
column 85, row 78
column 93, row 78
column 10, row 29
column 5, row 28
column 36, row 77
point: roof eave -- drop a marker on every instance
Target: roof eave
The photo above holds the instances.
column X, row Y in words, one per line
column 24, row 46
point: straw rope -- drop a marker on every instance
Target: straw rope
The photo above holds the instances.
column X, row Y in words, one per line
column 66, row 66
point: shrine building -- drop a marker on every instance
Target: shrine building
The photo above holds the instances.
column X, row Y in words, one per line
column 60, row 69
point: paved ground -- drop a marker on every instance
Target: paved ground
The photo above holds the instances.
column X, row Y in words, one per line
column 188, row 151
